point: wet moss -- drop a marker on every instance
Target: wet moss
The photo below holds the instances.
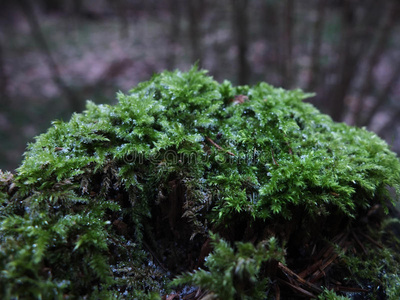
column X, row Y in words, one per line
column 121, row 199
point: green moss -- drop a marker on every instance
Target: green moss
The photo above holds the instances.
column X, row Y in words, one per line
column 126, row 192
column 330, row 295
column 233, row 275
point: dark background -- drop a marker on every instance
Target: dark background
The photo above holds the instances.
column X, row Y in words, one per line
column 56, row 54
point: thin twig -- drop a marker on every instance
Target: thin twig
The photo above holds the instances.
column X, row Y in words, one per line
column 350, row 289
column 321, row 271
column 277, row 292
column 273, row 158
column 371, row 240
column 358, row 241
column 218, row 146
column 298, row 289
column 156, row 259
column 322, row 256
column 300, row 280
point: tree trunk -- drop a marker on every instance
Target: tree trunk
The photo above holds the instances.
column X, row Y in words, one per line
column 287, row 49
column 174, row 31
column 353, row 47
column 51, row 6
column 240, row 32
column 120, row 9
column 315, row 66
column 270, row 28
column 3, row 78
column 347, row 63
column 77, row 7
column 383, row 96
column 393, row 121
column 378, row 48
column 195, row 12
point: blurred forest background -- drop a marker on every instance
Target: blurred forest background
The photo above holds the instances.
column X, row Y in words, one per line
column 55, row 54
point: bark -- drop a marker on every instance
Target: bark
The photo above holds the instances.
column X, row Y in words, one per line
column 378, row 48
column 28, row 12
column 315, row 66
column 240, row 32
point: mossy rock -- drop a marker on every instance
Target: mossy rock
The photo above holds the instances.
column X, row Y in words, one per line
column 249, row 192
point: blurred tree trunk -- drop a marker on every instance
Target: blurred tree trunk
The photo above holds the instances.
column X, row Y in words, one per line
column 383, row 97
column 354, row 46
column 195, row 12
column 393, row 121
column 175, row 14
column 378, row 47
column 314, row 73
column 28, row 12
column 3, row 77
column 7, row 20
column 77, row 7
column 270, row 29
column 121, row 10
column 241, row 35
column 287, row 44
column 347, row 62
column 51, row 6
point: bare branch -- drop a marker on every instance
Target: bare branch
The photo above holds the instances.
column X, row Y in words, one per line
column 29, row 13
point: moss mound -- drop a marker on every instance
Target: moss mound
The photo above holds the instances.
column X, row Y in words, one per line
column 242, row 192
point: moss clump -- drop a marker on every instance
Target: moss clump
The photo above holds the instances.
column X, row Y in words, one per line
column 121, row 199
